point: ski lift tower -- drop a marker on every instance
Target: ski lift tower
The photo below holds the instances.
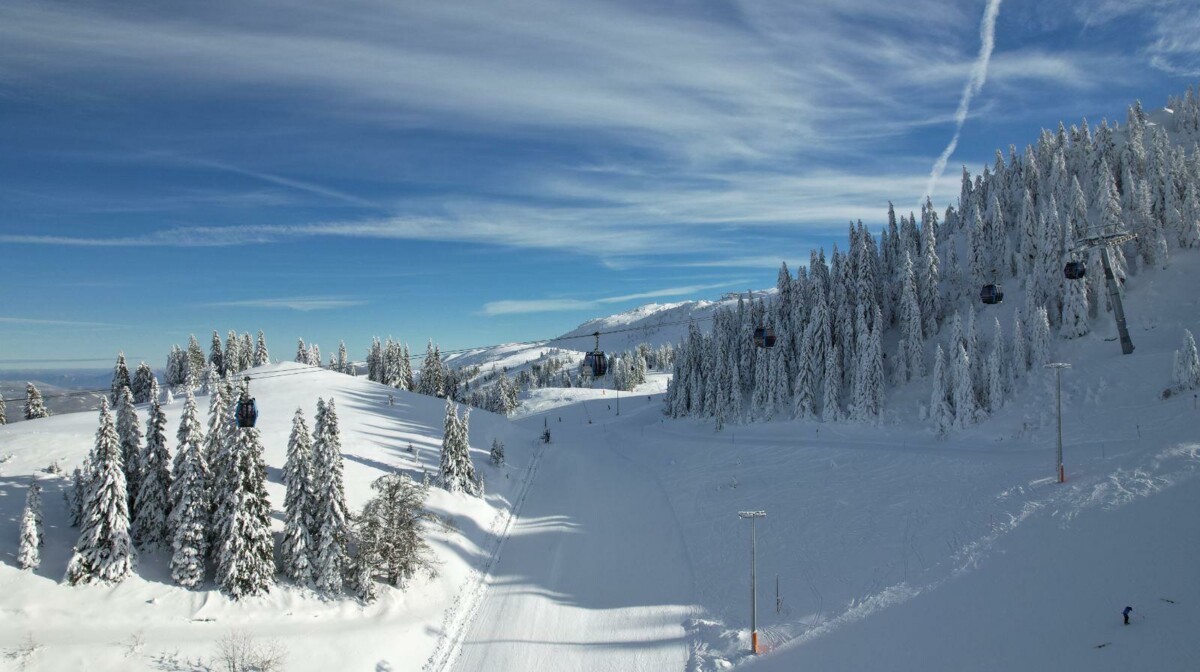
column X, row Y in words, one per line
column 752, row 516
column 1103, row 241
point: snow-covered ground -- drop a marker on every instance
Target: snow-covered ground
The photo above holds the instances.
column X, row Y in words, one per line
column 893, row 549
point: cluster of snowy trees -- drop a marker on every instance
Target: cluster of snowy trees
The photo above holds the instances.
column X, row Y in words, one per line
column 1019, row 222
column 35, row 406
column 1187, row 364
column 143, row 384
column 389, row 363
column 501, row 396
column 630, row 369
column 190, row 368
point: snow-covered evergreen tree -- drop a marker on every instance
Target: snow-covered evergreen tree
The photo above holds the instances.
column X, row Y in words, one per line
column 940, row 412
column 929, row 277
column 314, row 355
column 966, row 408
column 262, row 356
column 388, row 534
column 456, row 473
column 151, row 523
column 190, row 515
column 143, row 379
column 216, row 356
column 297, row 547
column 430, row 382
column 497, row 452
column 233, row 353
column 912, row 356
column 120, row 379
column 34, row 406
column 1075, row 321
column 104, row 552
column 246, row 353
column 995, row 374
column 30, row 542
column 329, row 514
column 831, row 409
column 1187, row 364
column 245, row 552
column 804, row 391
column 301, row 352
column 1020, row 357
column 129, row 430
column 343, row 363
column 1039, row 339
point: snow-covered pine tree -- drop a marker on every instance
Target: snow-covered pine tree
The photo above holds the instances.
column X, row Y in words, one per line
column 143, row 379
column 1075, row 321
column 497, row 452
column 995, row 374
column 1039, row 338
column 190, row 511
column 262, row 356
column 297, row 547
column 151, row 523
column 104, row 551
column 3, row 412
column 406, row 373
column 34, row 406
column 913, row 354
column 216, row 356
column 374, row 357
column 1187, row 364
column 1190, row 215
column 831, row 409
column 929, row 275
column 120, row 378
column 388, row 534
column 77, row 493
column 330, row 513
column 940, row 413
column 966, row 409
column 1020, row 357
column 456, row 473
column 233, row 353
column 28, row 553
column 430, row 382
column 246, row 353
column 129, row 430
column 195, row 353
column 760, row 406
column 804, row 391
column 343, row 363
column 245, row 551
column 301, row 352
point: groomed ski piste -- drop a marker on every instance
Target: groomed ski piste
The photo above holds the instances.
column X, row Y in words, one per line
column 617, row 546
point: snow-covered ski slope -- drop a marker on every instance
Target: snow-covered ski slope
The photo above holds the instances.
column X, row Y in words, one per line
column 893, row 549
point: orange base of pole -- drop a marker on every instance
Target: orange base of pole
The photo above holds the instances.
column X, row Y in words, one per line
column 1062, row 477
column 754, row 642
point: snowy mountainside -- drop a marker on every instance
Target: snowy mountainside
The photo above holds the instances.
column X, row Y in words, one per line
column 78, row 627
column 66, row 395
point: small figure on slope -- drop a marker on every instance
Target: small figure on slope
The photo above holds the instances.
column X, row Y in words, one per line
column 1125, row 613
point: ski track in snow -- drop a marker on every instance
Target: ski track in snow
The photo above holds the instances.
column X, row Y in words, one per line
column 461, row 615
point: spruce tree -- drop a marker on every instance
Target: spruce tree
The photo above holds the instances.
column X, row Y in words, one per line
column 1187, row 364
column 1020, row 358
column 995, row 397
column 245, row 551
column 296, row 547
column 1075, row 321
column 330, row 514
column 216, row 357
column 3, row 412
column 104, row 552
column 34, row 406
column 388, row 534
column 31, row 540
column 1039, row 339
column 804, row 389
column 301, row 352
column 143, row 380
column 129, row 429
column 189, row 519
column 120, row 379
column 966, row 408
column 343, row 364
column 941, row 415
column 456, row 472
column 151, row 526
column 233, row 353
column 831, row 410
column 195, row 354
column 913, row 353
column 497, row 452
column 246, row 353
column 430, row 382
column 262, row 356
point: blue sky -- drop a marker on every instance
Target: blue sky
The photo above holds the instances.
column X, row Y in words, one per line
column 482, row 171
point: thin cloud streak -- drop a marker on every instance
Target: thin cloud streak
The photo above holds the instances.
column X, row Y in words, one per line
column 521, row 307
column 987, row 33
column 302, row 304
column 56, row 323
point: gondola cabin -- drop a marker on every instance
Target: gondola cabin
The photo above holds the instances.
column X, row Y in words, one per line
column 595, row 364
column 764, row 337
column 247, row 412
column 1074, row 270
column 991, row 294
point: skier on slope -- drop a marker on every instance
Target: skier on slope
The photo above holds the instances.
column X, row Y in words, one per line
column 1126, row 613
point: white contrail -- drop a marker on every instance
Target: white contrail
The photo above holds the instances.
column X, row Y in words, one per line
column 987, row 34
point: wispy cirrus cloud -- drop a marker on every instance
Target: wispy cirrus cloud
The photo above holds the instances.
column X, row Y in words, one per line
column 524, row 306
column 55, row 323
column 300, row 303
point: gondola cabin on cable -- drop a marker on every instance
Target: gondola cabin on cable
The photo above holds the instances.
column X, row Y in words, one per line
column 247, row 412
column 764, row 337
column 1075, row 270
column 595, row 363
column 991, row 294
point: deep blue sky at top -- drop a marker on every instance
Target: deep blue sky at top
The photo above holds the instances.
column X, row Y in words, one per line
column 482, row 171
